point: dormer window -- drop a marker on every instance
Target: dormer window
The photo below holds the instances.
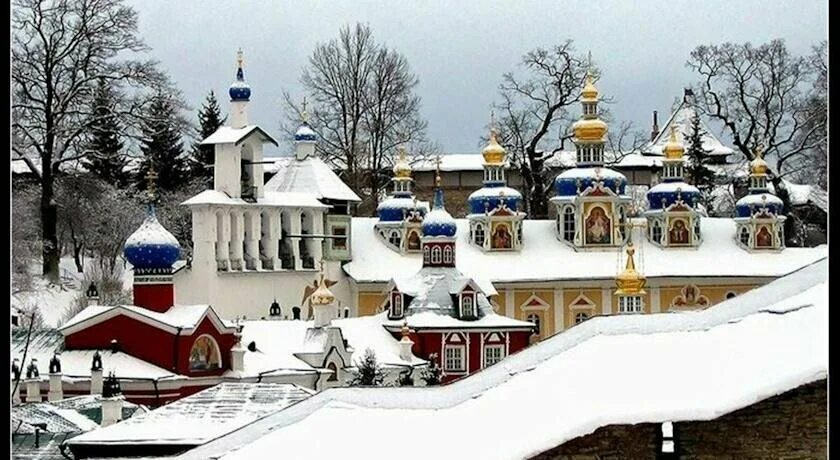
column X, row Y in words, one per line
column 396, row 305
column 468, row 305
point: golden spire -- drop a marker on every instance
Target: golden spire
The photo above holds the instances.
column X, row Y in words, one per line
column 322, row 295
column 758, row 167
column 493, row 153
column 630, row 282
column 590, row 92
column 673, row 149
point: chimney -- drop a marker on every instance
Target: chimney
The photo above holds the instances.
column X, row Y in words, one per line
column 16, row 379
column 688, row 96
column 33, row 382
column 655, row 130
column 237, row 353
column 56, row 391
column 96, row 374
column 112, row 401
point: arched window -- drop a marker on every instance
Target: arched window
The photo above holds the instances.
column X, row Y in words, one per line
column 394, row 238
column 436, row 255
column 396, row 304
column 478, row 236
column 744, row 236
column 204, row 355
column 569, row 223
column 467, row 305
column 334, row 376
column 425, row 254
column 447, row 255
column 730, row 295
column 656, row 232
column 581, row 317
column 534, row 318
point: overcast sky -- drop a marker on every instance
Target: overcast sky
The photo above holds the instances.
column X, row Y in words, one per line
column 459, row 49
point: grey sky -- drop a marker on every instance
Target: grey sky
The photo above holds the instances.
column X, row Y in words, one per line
column 459, row 49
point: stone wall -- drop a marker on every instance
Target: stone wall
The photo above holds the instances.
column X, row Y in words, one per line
column 790, row 425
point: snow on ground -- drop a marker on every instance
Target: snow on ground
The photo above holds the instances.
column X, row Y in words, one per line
column 653, row 368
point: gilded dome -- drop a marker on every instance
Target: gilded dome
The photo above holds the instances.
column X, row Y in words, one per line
column 592, row 129
column 758, row 166
column 322, row 295
column 493, row 153
column 589, row 92
column 673, row 149
column 402, row 170
column 630, row 282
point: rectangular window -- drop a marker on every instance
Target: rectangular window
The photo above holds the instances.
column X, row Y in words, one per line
column 453, row 358
column 467, row 303
column 493, row 354
column 339, row 243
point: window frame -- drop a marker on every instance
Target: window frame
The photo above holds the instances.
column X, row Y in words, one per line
column 495, row 347
column 461, row 358
column 397, row 305
column 436, row 255
column 569, row 224
column 464, row 298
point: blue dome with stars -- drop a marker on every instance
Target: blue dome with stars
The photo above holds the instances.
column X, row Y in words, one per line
column 239, row 90
column 574, row 181
column 490, row 197
column 438, row 222
column 152, row 247
column 396, row 208
column 662, row 195
column 755, row 202
column 305, row 134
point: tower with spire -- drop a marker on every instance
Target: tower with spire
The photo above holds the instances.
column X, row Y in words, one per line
column 759, row 222
column 400, row 214
column 591, row 200
column 305, row 137
column 240, row 95
column 672, row 216
column 439, row 228
column 494, row 215
column 630, row 286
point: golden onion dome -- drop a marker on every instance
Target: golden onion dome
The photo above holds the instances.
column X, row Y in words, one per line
column 758, row 167
column 592, row 129
column 589, row 92
column 630, row 282
column 493, row 153
column 402, row 170
column 322, row 295
column 673, row 149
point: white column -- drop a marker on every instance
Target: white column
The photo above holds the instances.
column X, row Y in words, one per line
column 96, row 381
column 112, row 410
column 559, row 311
column 275, row 235
column 237, row 357
column 295, row 229
column 251, row 227
column 510, row 309
column 56, row 391
column 606, row 301
column 223, row 239
column 655, row 302
column 237, row 239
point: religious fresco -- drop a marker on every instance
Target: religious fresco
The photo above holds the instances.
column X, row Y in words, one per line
column 502, row 239
column 413, row 241
column 690, row 298
column 204, row 355
column 764, row 239
column 598, row 226
column 678, row 234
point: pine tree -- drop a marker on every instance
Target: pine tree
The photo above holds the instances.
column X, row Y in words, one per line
column 106, row 160
column 432, row 374
column 209, row 120
column 162, row 146
column 368, row 372
column 696, row 169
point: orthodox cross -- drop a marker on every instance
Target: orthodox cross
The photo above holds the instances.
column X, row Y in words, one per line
column 304, row 115
column 240, row 60
column 151, row 178
column 437, row 171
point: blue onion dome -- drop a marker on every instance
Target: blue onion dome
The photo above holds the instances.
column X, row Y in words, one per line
column 573, row 181
column 489, row 198
column 151, row 246
column 754, row 202
column 397, row 208
column 664, row 194
column 305, row 134
column 438, row 222
column 239, row 90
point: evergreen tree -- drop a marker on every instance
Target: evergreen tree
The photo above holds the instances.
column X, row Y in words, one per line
column 209, row 120
column 161, row 144
column 368, row 372
column 432, row 374
column 696, row 170
column 106, row 159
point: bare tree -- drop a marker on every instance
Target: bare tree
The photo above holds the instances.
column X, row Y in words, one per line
column 535, row 105
column 763, row 95
column 60, row 50
column 363, row 106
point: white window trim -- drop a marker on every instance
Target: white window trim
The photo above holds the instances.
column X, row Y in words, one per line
column 436, row 255
column 499, row 347
column 447, row 255
column 396, row 298
column 463, row 360
column 464, row 298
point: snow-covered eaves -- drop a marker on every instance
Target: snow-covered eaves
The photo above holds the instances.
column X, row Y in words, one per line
column 269, row 198
column 228, row 135
column 198, row 418
column 673, row 367
column 430, row 321
column 681, row 120
column 310, row 176
column 179, row 318
column 544, row 258
column 563, row 159
column 803, row 194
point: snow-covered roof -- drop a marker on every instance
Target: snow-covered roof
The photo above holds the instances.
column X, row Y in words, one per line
column 801, row 194
column 681, row 119
column 183, row 317
column 309, row 176
column 560, row 160
column 70, row 415
column 75, row 364
column 201, row 417
column 270, row 198
column 544, row 258
column 228, row 135
column 696, row 365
